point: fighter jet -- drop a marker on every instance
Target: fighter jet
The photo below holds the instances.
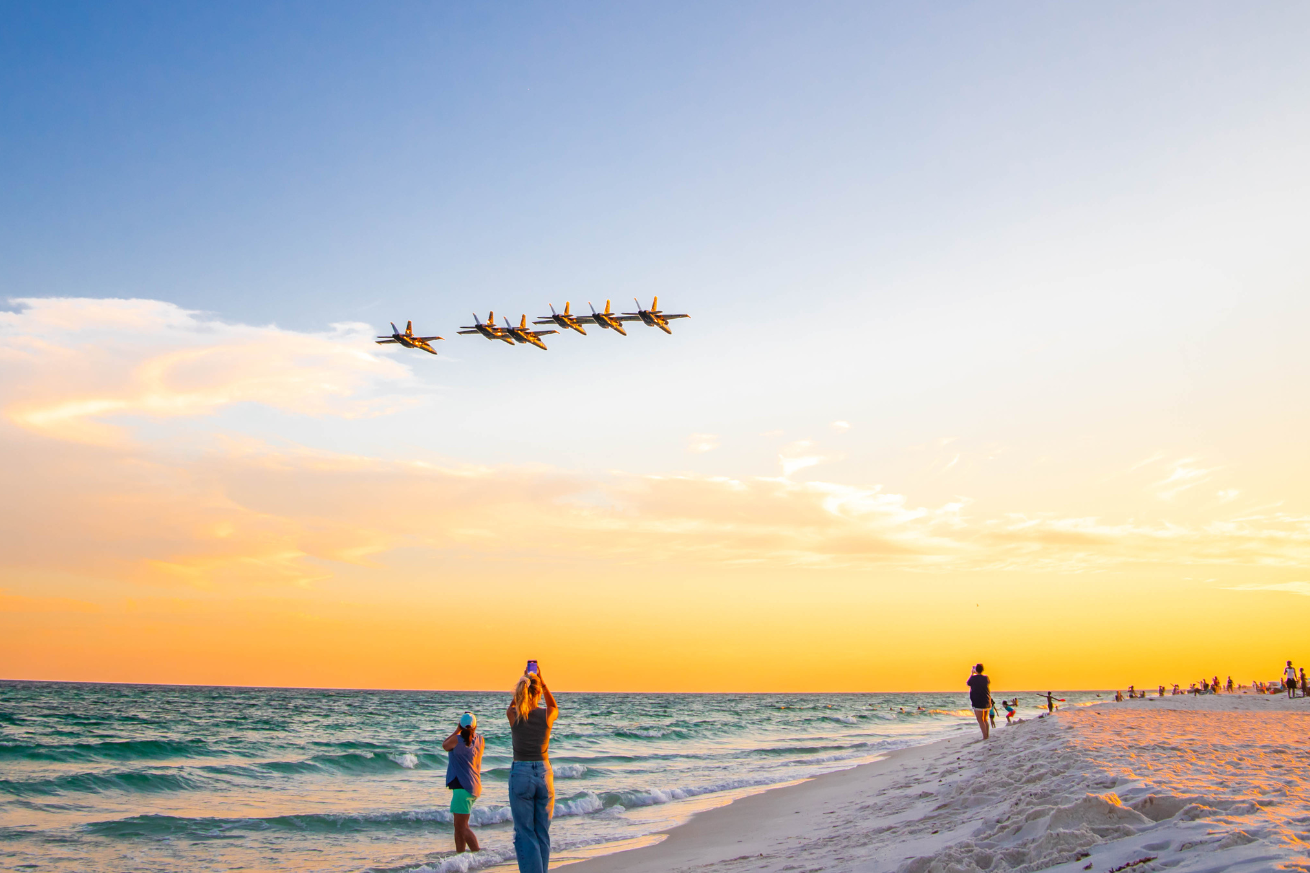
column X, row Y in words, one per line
column 607, row 319
column 525, row 334
column 566, row 321
column 489, row 329
column 407, row 339
column 653, row 317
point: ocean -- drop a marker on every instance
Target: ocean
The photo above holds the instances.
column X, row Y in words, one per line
column 167, row 778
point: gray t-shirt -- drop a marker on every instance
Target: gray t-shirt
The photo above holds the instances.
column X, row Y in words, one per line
column 532, row 737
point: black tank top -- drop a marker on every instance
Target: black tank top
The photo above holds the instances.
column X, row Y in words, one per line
column 532, row 737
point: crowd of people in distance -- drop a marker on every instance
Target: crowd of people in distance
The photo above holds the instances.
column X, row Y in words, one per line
column 984, row 705
column 1293, row 679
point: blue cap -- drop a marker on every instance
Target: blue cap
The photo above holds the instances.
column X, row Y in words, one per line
column 468, row 720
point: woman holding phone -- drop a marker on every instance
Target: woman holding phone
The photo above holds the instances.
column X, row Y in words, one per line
column 531, row 782
column 464, row 778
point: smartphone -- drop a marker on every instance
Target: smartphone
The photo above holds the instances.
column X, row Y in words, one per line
column 532, row 666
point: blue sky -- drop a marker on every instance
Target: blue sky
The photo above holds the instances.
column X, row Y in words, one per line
column 908, row 219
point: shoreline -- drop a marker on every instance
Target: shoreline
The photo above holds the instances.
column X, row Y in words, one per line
column 718, row 834
column 1064, row 792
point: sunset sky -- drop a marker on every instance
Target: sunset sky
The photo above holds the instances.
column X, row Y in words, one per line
column 997, row 349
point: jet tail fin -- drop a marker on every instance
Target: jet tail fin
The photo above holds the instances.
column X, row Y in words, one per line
column 394, row 329
column 523, row 323
column 566, row 309
column 655, row 305
column 409, row 328
column 607, row 307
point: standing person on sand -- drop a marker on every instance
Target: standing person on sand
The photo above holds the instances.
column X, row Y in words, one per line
column 980, row 697
column 1051, row 700
column 531, row 780
column 1289, row 679
column 464, row 778
column 1304, row 687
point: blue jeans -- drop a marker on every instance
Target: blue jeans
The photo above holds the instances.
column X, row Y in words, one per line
column 532, row 803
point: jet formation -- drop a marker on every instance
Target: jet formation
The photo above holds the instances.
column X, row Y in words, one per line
column 566, row 320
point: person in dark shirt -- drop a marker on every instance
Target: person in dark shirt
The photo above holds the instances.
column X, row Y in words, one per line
column 531, row 779
column 980, row 697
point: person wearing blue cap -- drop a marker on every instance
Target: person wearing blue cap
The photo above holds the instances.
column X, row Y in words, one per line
column 464, row 778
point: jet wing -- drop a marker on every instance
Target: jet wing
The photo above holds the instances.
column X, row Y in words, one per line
column 543, row 321
column 542, row 332
column 626, row 317
column 384, row 342
column 662, row 315
column 586, row 319
column 473, row 330
column 427, row 339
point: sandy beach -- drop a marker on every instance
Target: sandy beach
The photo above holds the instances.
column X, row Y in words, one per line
column 1179, row 783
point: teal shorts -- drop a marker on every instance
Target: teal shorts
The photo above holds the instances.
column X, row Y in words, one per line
column 461, row 802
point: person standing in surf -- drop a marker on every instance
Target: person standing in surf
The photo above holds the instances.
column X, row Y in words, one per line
column 980, row 697
column 531, row 781
column 464, row 778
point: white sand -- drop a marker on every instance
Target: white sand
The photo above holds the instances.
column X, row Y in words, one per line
column 1198, row 784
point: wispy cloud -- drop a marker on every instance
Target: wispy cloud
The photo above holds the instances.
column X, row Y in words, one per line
column 840, row 426
column 799, row 455
column 1185, row 475
column 78, row 365
column 699, row 443
column 1292, row 587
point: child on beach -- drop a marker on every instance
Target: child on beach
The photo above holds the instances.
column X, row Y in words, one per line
column 1010, row 709
column 980, row 697
column 1304, row 688
column 464, row 778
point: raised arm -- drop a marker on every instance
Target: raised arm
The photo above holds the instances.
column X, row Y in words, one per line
column 552, row 708
column 451, row 740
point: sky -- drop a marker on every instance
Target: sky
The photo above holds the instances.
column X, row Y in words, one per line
column 996, row 348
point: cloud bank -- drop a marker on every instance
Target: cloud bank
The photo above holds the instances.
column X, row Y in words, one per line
column 105, row 498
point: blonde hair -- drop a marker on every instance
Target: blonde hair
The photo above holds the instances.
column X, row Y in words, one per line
column 527, row 694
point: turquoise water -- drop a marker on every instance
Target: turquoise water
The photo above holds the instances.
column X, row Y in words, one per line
column 166, row 778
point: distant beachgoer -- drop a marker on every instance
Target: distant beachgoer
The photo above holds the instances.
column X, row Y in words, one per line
column 464, row 778
column 991, row 713
column 531, row 780
column 1229, row 687
column 1214, row 685
column 1304, row 687
column 980, row 697
column 1010, row 709
column 1051, row 700
column 1118, row 697
column 1289, row 679
column 1161, row 692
